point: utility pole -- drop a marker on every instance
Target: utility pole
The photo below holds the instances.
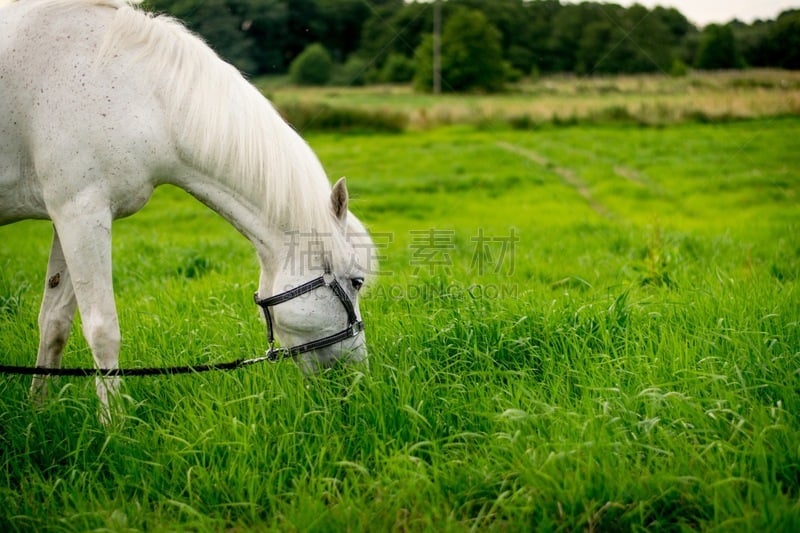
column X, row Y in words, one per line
column 437, row 47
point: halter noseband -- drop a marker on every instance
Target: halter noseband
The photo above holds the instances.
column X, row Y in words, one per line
column 354, row 325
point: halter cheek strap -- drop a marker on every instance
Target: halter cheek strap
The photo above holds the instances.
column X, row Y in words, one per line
column 354, row 325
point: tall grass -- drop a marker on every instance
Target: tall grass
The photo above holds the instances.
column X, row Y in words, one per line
column 630, row 368
column 645, row 100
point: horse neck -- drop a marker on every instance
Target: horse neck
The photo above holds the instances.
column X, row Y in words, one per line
column 255, row 161
column 236, row 208
column 271, row 226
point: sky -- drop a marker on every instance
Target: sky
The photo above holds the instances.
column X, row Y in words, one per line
column 703, row 12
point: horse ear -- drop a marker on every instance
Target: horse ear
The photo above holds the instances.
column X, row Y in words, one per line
column 339, row 200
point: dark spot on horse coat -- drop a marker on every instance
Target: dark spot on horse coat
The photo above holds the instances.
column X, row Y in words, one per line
column 54, row 281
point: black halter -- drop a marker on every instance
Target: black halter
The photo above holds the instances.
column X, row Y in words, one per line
column 354, row 325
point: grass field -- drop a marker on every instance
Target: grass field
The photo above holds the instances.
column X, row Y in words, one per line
column 573, row 328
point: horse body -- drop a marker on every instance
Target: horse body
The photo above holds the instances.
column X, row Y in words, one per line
column 99, row 104
column 69, row 128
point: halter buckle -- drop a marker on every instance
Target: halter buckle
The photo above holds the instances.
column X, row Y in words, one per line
column 272, row 353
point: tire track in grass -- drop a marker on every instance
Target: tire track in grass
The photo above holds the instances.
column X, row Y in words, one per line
column 629, row 174
column 567, row 175
column 633, row 176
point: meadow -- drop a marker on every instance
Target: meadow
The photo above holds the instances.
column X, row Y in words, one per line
column 582, row 326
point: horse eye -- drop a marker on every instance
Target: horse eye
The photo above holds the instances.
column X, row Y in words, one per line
column 357, row 283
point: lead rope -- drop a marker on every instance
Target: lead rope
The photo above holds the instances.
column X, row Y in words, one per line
column 126, row 372
column 273, row 354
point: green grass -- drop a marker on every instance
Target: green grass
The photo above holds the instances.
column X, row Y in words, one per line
column 632, row 365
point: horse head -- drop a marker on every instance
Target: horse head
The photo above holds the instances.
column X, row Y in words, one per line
column 314, row 304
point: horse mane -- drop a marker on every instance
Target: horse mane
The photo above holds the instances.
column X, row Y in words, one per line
column 222, row 124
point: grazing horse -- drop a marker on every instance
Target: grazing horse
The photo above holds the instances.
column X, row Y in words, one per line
column 101, row 102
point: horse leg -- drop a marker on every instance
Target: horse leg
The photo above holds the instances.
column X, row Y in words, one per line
column 85, row 237
column 55, row 317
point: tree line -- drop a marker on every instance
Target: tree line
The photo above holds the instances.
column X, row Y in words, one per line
column 484, row 44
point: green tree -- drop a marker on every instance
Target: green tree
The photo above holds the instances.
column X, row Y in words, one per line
column 651, row 39
column 351, row 73
column 539, row 27
column 219, row 22
column 785, row 40
column 313, row 66
column 343, row 22
column 718, row 49
column 566, row 33
column 397, row 69
column 754, row 42
column 625, row 41
column 471, row 53
column 265, row 36
column 683, row 37
column 394, row 29
column 513, row 21
column 265, row 23
column 302, row 27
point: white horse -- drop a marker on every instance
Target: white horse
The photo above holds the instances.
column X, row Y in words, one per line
column 99, row 104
